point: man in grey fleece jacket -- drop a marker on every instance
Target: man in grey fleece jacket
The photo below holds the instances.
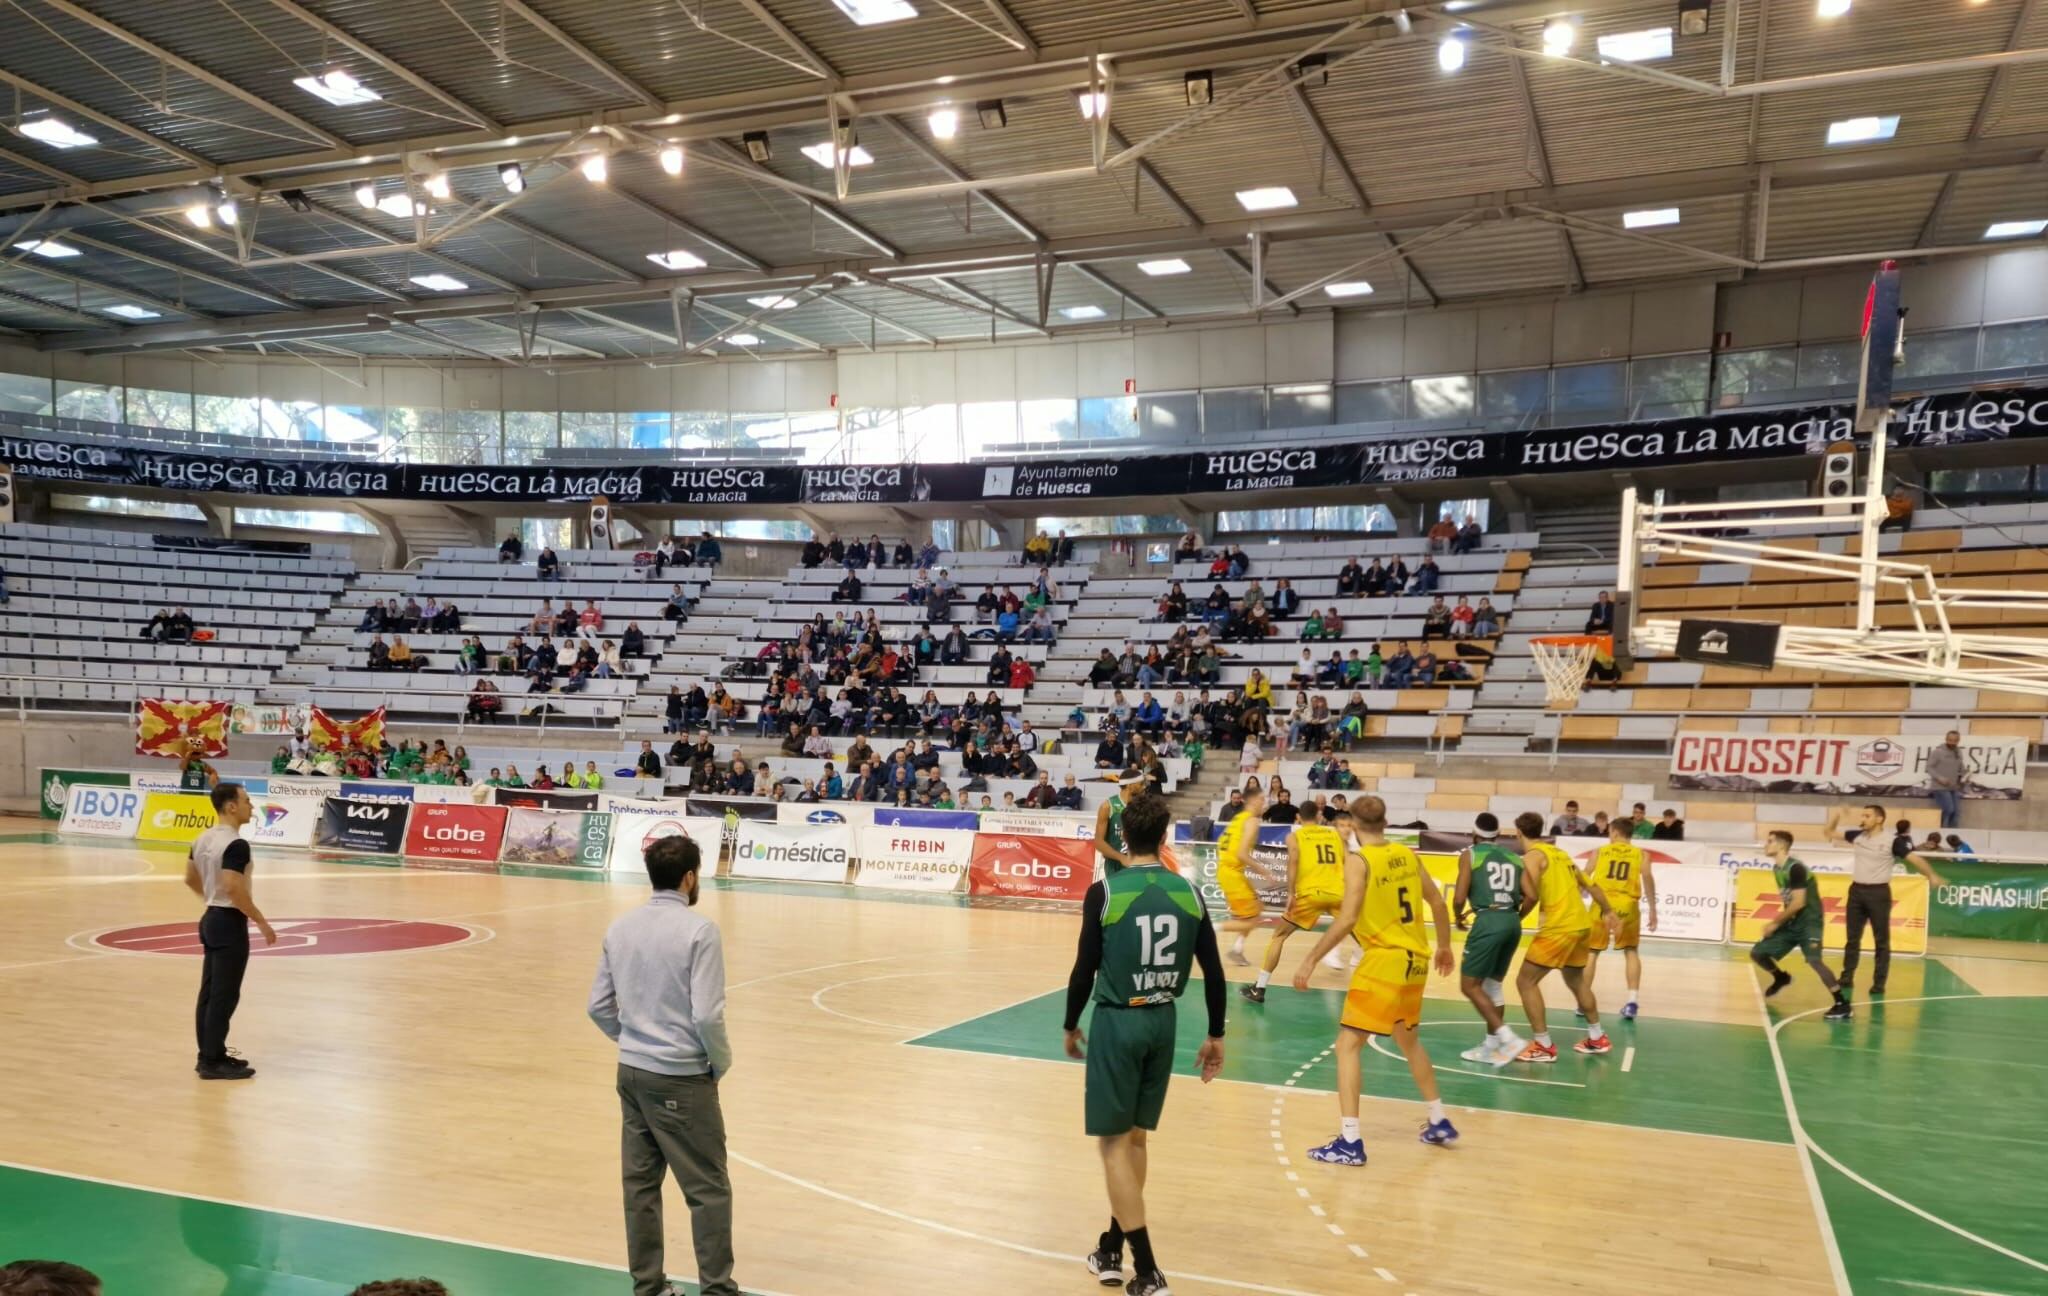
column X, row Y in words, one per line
column 660, row 993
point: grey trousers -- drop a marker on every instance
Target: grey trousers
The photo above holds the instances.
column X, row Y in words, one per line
column 673, row 1124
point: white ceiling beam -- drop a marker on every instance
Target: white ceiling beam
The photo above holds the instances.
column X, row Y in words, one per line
column 197, row 276
column 1993, row 90
column 81, row 14
column 597, row 62
column 791, row 39
column 343, row 37
column 115, row 124
column 828, row 211
column 1349, row 178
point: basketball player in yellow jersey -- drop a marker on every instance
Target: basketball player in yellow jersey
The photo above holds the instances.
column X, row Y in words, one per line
column 1233, row 856
column 1385, row 889
column 1622, row 870
column 1549, row 878
column 1315, row 889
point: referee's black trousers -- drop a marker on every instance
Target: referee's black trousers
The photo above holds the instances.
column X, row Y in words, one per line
column 1870, row 904
column 224, row 932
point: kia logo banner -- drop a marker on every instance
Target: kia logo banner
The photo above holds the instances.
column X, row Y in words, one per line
column 464, row 832
column 362, row 827
column 1037, row 868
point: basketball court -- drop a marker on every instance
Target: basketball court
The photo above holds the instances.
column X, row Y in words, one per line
column 431, row 1100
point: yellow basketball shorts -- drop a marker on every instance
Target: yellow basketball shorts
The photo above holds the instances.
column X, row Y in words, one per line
column 1238, row 893
column 1631, row 933
column 1386, row 991
column 1306, row 907
column 1559, row 949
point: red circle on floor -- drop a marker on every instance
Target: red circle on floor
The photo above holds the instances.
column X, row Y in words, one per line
column 297, row 936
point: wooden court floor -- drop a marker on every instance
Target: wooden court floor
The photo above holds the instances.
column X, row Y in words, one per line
column 900, row 1120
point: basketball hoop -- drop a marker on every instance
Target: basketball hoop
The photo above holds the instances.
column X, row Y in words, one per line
column 1564, row 661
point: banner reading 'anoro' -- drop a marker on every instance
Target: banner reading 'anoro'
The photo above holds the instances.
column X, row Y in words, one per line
column 1869, row 765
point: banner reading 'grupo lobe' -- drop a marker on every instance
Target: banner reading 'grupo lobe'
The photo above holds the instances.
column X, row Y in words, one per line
column 1038, row 868
column 464, row 832
column 791, row 853
column 360, row 826
column 1869, row 765
column 912, row 859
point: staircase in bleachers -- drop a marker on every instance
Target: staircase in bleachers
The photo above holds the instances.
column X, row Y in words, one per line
column 80, row 599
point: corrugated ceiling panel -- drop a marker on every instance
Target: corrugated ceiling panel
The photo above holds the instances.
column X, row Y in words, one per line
column 1833, row 219
column 1711, row 224
column 1495, row 258
column 656, row 43
column 928, row 40
column 1260, row 143
column 1055, row 22
column 1984, row 197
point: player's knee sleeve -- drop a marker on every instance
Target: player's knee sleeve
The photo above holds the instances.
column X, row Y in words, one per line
column 1495, row 991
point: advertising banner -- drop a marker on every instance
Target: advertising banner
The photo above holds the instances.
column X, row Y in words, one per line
column 378, row 791
column 1692, row 893
column 95, row 810
column 1039, row 823
column 1758, row 904
column 817, row 812
column 912, row 859
column 57, row 785
column 362, row 826
column 1868, row 765
column 287, row 821
column 633, row 834
column 142, row 782
column 174, row 817
column 544, row 798
column 1038, row 868
column 464, row 832
column 904, row 817
column 1991, row 901
column 560, row 838
column 302, row 789
column 273, row 720
column 810, row 853
column 167, row 727
column 733, row 809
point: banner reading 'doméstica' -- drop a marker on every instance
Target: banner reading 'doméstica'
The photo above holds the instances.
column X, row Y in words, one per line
column 792, row 853
column 1872, row 765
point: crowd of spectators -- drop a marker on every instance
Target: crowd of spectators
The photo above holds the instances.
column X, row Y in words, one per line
column 867, row 554
column 169, row 626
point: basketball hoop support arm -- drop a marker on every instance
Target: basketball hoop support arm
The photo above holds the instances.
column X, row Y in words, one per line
column 1881, row 325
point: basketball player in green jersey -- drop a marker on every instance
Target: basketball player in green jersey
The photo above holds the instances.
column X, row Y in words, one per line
column 1799, row 925
column 1109, row 825
column 1143, row 928
column 1490, row 882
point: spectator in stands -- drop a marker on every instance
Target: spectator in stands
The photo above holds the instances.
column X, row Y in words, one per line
column 609, row 664
column 578, row 678
column 1351, row 720
column 1022, row 674
column 1571, row 823
column 542, row 780
column 1280, row 808
column 813, row 552
column 1398, row 576
column 1898, row 511
column 1602, row 669
column 1312, row 628
column 1945, row 777
column 484, row 702
column 543, row 620
column 1469, row 536
column 1240, row 562
column 1149, row 717
column 903, row 555
column 379, row 655
column 672, row 710
column 469, row 659
column 664, row 554
column 592, row 617
column 547, row 566
column 403, row 657
column 1040, row 629
column 929, row 554
column 1485, row 621
column 1436, row 622
column 1110, row 753
column 855, row 557
column 428, row 613
column 1217, row 606
column 512, row 550
column 373, row 619
column 1669, row 827
column 1254, row 595
column 1038, row 550
column 447, row 621
column 1601, row 620
column 634, row 642
column 566, row 622
column 848, row 589
column 1350, row 579
column 1428, row 577
column 1190, row 547
column 1957, row 846
column 1400, row 667
column 999, row 665
column 1127, row 666
column 1442, row 534
column 953, row 648
column 1462, row 618
column 1324, row 769
column 1374, row 582
column 1311, row 725
column 1285, row 602
column 648, row 762
column 1258, row 690
column 710, row 553
column 1062, row 548
column 179, row 628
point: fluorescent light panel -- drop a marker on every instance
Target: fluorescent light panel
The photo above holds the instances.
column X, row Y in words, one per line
column 677, row 260
column 2001, row 230
column 1450, row 54
column 1083, row 312
column 1560, row 36
column 1269, row 198
column 821, row 153
column 944, row 123
column 50, row 248
column 126, row 311
column 1091, row 103
column 672, row 159
column 401, row 205
column 1168, row 266
column 56, row 132
column 1649, row 218
column 338, row 88
column 1352, row 288
column 773, row 303
column 439, row 282
column 743, row 339
column 1636, row 46
column 1862, row 130
column 869, row 13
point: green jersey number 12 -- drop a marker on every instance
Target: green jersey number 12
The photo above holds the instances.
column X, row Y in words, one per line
column 1156, row 936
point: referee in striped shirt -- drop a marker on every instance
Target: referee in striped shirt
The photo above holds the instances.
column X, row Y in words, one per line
column 218, row 873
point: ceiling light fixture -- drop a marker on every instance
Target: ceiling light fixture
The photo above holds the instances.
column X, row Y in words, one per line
column 1862, row 130
column 436, row 185
column 743, row 339
column 821, row 153
column 297, row 200
column 2001, row 230
column 1649, row 218
column 594, row 168
column 513, row 177
column 366, row 195
column 757, row 144
column 1694, row 17
column 1559, row 37
column 944, row 123
column 677, row 260
column 439, row 282
column 992, row 115
column 1402, row 22
column 1351, row 288
column 402, row 206
column 337, row 87
column 1169, row 266
column 672, row 159
column 1083, row 312
column 50, row 248
column 55, row 131
column 869, row 13
column 773, row 303
column 1635, row 46
column 1313, row 70
column 199, row 213
column 1832, row 8
column 1199, row 87
column 227, row 211
column 1269, row 198
column 126, row 311
column 1450, row 54
column 1092, row 103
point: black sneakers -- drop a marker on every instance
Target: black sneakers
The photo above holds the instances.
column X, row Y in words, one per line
column 1840, row 1012
column 1106, row 1265
column 1152, row 1283
column 1779, row 980
column 227, row 1068
column 1255, row 993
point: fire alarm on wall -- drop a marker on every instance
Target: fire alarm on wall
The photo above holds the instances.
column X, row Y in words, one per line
column 1130, row 386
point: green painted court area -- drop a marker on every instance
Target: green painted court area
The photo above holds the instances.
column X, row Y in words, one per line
column 160, row 1243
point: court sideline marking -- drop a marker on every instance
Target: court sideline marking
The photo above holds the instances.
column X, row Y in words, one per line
column 1800, row 1141
column 1315, row 1208
column 1806, row 1141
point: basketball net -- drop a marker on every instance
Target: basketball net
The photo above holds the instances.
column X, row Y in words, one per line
column 1564, row 661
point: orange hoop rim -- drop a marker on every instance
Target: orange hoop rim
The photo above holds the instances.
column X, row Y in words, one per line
column 1575, row 641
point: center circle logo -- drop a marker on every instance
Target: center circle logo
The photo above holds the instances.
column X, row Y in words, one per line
column 295, row 937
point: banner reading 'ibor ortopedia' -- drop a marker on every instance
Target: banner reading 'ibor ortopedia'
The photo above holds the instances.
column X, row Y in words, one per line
column 1836, row 764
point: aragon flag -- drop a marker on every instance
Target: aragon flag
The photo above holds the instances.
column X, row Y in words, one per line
column 174, row 729
column 328, row 733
